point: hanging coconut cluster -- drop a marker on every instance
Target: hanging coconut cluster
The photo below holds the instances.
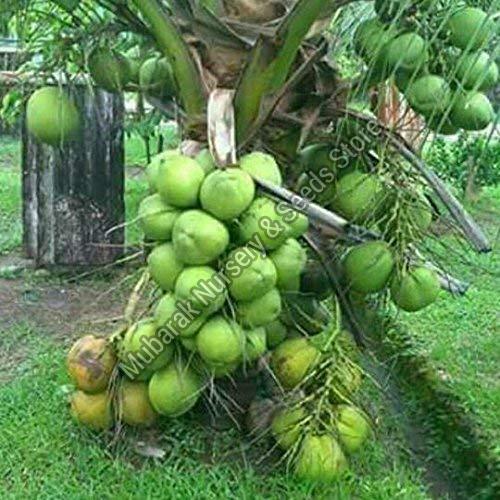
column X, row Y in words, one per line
column 436, row 58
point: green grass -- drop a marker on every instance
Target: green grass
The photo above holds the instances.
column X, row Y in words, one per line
column 44, row 454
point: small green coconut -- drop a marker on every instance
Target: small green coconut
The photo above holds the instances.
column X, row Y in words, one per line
column 369, row 266
column 472, row 111
column 153, row 169
column 262, row 166
column 250, row 273
column 177, row 321
column 164, row 266
column 156, row 79
column 226, row 194
column 220, row 341
column 202, row 287
column 142, row 352
column 477, row 71
column 109, row 69
column 298, row 226
column 133, row 404
column 52, row 117
column 470, row 28
column 276, row 333
column 357, row 195
column 286, row 426
column 260, row 311
column 179, row 181
column 320, row 459
column 199, row 238
column 407, row 52
column 429, row 94
column 264, row 222
column 255, row 345
column 353, row 427
column 206, row 161
column 416, row 289
column 370, row 38
column 156, row 218
column 92, row 410
column 293, row 360
column 174, row 390
column 290, row 261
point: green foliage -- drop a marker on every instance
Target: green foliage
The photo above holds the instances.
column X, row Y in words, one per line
column 452, row 160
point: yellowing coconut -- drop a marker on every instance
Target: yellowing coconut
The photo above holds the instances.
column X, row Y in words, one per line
column 199, row 238
column 250, row 273
column 156, row 218
column 220, row 342
column 369, row 266
column 320, row 459
column 290, row 261
column 92, row 410
column 164, row 266
column 226, row 194
column 293, row 360
column 133, row 404
column 142, row 351
column 179, row 181
column 260, row 311
column 52, row 117
column 174, row 390
column 265, row 223
column 286, row 426
column 90, row 363
column 353, row 427
column 262, row 166
column 415, row 289
column 202, row 286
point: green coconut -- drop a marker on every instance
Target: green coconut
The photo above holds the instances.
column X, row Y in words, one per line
column 429, row 94
column 369, row 266
column 290, row 260
column 255, row 345
column 260, row 311
column 357, row 195
column 353, row 427
column 416, row 289
column 287, row 426
column 177, row 321
column 403, row 79
column 276, row 333
column 142, row 352
column 164, row 266
column 220, row 341
column 293, row 360
column 470, row 28
column 134, row 62
column 174, row 390
column 263, row 222
column 133, row 404
column 262, row 166
column 370, row 38
column 320, row 459
column 52, row 117
column 406, row 52
column 156, row 79
column 298, row 226
column 441, row 124
column 109, row 69
column 153, row 169
column 92, row 410
column 226, row 194
column 250, row 273
column 179, row 181
column 156, row 218
column 477, row 71
column 199, row 238
column 202, row 287
column 472, row 111
column 206, row 161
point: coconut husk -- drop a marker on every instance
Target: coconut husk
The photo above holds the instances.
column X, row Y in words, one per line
column 254, row 11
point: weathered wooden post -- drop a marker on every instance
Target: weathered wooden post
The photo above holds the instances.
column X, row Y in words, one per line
column 73, row 196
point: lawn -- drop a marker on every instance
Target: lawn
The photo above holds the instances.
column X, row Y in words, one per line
column 44, row 454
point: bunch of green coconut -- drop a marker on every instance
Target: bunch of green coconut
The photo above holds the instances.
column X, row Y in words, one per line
column 437, row 59
column 228, row 267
